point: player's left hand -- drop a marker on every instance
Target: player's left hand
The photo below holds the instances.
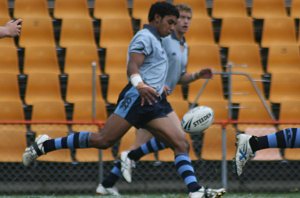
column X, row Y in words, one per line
column 205, row 73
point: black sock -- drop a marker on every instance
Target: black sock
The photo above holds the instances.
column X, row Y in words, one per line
column 113, row 176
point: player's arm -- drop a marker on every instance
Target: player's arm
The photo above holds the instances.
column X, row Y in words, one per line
column 146, row 92
column 11, row 28
column 186, row 78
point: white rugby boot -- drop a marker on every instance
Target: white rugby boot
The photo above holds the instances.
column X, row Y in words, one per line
column 208, row 193
column 35, row 150
column 126, row 166
column 101, row 190
column 243, row 152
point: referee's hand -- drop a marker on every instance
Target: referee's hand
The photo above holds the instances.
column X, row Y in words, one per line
column 147, row 94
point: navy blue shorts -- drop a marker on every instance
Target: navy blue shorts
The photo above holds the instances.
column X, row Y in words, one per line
column 129, row 107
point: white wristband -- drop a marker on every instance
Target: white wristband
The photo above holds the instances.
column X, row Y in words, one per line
column 135, row 79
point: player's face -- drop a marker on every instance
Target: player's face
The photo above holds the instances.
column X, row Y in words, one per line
column 183, row 22
column 166, row 25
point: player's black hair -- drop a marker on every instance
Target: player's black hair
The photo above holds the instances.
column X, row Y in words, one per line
column 163, row 9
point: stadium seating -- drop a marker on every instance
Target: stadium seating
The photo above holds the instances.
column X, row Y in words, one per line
column 236, row 31
column 116, row 59
column 77, row 32
column 4, row 10
column 212, row 143
column 295, row 9
column 110, row 32
column 79, row 59
column 80, row 87
column 13, row 143
column 213, row 90
column 284, row 87
column 31, row 9
column 200, row 32
column 243, row 89
column 9, row 87
column 41, row 59
column 71, row 9
column 140, row 8
column 220, row 108
column 229, row 8
column 204, row 56
column 268, row 9
column 51, row 111
column 283, row 59
column 42, row 87
column 111, row 9
column 278, row 31
column 254, row 111
column 117, row 81
column 245, row 58
column 9, row 60
column 198, row 6
column 37, row 32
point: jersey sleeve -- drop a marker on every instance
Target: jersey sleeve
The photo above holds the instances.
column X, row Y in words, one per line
column 141, row 44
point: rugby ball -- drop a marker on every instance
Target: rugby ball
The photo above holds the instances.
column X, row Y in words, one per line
column 197, row 119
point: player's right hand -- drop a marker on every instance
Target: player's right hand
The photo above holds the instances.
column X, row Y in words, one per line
column 147, row 94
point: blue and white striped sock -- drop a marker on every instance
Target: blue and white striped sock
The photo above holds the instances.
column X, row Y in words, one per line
column 72, row 141
column 151, row 146
column 186, row 171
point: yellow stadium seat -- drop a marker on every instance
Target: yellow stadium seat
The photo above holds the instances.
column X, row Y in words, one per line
column 41, row 59
column 9, row 60
column 236, row 31
column 79, row 59
column 77, row 32
column 9, row 87
column 278, row 31
column 80, row 87
column 110, row 32
column 204, row 56
column 262, row 9
column 229, row 8
column 111, row 9
column 212, row 143
column 31, row 9
column 246, row 59
column 116, row 59
column 283, row 59
column 42, row 87
column 284, row 87
column 71, row 9
column 37, row 32
column 200, row 32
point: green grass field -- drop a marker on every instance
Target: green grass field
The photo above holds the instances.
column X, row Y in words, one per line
column 228, row 195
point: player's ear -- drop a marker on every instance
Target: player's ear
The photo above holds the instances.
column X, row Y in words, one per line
column 157, row 18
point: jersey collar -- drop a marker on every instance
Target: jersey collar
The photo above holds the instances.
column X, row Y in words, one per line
column 153, row 30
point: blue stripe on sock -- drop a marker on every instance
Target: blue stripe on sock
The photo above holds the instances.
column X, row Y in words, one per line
column 288, row 137
column 185, row 168
column 153, row 144
column 272, row 140
column 145, row 148
column 190, row 179
column 70, row 141
column 297, row 139
column 116, row 171
column 182, row 157
column 57, row 143
column 83, row 139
